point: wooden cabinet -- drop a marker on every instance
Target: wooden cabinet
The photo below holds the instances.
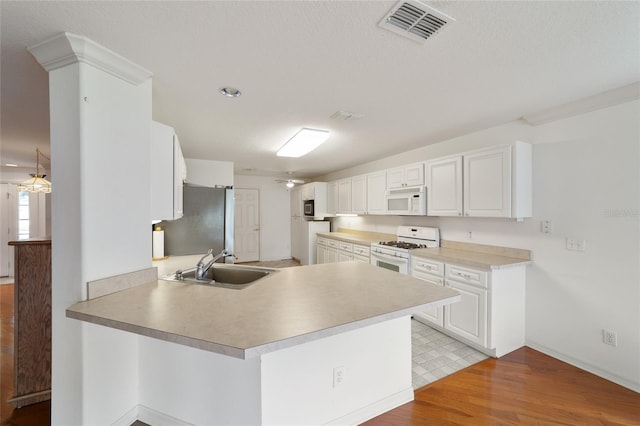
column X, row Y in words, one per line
column 490, row 314
column 491, row 182
column 376, row 188
column 410, row 175
column 32, row 322
column 168, row 174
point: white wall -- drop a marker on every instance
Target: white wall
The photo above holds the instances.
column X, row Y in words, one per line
column 199, row 387
column 209, row 172
column 99, row 229
column 587, row 183
column 275, row 221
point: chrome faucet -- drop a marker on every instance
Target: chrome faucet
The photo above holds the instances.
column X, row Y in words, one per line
column 201, row 268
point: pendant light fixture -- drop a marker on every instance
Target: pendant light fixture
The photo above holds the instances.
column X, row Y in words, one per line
column 37, row 182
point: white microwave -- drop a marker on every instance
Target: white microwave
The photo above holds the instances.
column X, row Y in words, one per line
column 407, row 201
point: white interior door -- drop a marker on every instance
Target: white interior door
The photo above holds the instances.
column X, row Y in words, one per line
column 8, row 227
column 247, row 225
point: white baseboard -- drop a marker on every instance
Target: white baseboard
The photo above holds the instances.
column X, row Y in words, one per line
column 612, row 377
column 148, row 416
column 128, row 418
column 156, row 418
column 375, row 409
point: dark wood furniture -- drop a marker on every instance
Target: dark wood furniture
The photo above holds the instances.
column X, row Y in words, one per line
column 32, row 322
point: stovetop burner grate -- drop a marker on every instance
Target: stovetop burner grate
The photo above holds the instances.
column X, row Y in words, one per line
column 402, row 245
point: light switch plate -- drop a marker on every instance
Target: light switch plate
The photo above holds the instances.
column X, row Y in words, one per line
column 576, row 244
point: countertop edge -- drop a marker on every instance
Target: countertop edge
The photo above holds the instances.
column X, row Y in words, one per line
column 347, row 238
column 256, row 351
column 157, row 334
column 309, row 337
column 471, row 263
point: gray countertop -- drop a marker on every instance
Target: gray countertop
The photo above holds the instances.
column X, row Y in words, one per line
column 365, row 238
column 474, row 259
column 292, row 306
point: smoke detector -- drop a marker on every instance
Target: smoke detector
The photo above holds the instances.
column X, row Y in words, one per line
column 415, row 20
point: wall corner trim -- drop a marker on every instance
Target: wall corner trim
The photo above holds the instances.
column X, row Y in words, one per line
column 619, row 95
column 67, row 48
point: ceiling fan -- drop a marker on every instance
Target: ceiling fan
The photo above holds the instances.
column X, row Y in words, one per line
column 290, row 182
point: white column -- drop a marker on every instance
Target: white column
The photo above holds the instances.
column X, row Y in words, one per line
column 100, row 111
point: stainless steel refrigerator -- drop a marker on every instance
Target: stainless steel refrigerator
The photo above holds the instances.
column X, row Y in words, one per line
column 207, row 222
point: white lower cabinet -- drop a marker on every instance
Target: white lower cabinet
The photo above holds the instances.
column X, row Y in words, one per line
column 321, row 250
column 330, row 250
column 490, row 313
column 468, row 317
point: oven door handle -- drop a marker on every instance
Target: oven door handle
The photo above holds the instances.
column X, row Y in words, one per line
column 396, row 259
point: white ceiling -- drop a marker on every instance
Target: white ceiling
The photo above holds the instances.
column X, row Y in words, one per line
column 298, row 62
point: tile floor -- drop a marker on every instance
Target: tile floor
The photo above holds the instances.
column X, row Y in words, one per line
column 436, row 355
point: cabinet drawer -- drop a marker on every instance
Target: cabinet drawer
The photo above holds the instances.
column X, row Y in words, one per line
column 430, row 278
column 333, row 243
column 421, row 264
column 345, row 246
column 322, row 241
column 361, row 250
column 466, row 275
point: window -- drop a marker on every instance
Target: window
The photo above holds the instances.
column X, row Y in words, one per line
column 23, row 215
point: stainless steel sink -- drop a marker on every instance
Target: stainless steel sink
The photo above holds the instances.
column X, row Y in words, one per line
column 224, row 275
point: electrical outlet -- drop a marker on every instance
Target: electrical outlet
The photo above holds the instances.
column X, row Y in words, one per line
column 610, row 337
column 545, row 226
column 575, row 244
column 470, row 234
column 338, row 375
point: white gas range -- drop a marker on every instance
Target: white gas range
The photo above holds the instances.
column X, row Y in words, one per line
column 395, row 255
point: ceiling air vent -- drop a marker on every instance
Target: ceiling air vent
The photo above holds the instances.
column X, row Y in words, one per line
column 415, row 20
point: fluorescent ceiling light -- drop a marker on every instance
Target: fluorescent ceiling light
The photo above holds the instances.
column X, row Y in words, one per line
column 303, row 142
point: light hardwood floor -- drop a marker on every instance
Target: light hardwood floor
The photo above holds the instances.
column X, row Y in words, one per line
column 521, row 388
column 524, row 387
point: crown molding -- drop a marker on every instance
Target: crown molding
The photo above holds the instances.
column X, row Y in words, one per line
column 606, row 99
column 67, row 48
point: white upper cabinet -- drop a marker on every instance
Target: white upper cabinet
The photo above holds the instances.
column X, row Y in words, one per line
column 491, row 182
column 359, row 194
column 410, row 175
column 332, row 197
column 487, row 183
column 168, row 173
column 444, row 186
column 376, row 188
column 498, row 182
column 344, row 196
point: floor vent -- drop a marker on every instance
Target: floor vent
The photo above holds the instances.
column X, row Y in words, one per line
column 415, row 20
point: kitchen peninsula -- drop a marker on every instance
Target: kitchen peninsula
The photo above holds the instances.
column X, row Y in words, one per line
column 319, row 344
